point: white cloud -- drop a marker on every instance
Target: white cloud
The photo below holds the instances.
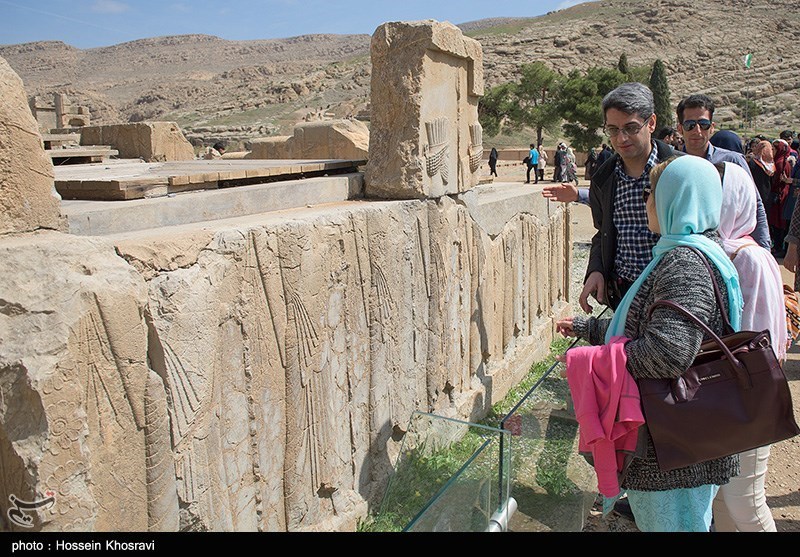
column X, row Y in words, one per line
column 109, row 7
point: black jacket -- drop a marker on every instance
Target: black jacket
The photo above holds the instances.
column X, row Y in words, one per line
column 601, row 199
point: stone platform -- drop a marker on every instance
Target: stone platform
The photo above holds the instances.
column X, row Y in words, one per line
column 134, row 179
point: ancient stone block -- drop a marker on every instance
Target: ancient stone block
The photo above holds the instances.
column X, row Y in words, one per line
column 425, row 138
column 150, row 141
column 82, row 419
column 336, row 139
column 28, row 199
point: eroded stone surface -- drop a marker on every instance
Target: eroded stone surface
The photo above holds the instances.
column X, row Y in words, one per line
column 335, row 139
column 150, row 141
column 425, row 138
column 28, row 199
column 258, row 373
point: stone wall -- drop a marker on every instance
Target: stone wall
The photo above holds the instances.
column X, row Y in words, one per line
column 150, row 141
column 337, row 139
column 260, row 375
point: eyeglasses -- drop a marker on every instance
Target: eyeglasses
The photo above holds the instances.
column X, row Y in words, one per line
column 689, row 125
column 629, row 130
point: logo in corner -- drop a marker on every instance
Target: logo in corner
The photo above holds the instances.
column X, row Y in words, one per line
column 18, row 512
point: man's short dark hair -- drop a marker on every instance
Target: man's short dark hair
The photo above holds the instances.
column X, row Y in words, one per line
column 788, row 135
column 698, row 100
column 219, row 146
column 665, row 131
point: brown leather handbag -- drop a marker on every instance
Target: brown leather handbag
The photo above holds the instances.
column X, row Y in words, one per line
column 734, row 397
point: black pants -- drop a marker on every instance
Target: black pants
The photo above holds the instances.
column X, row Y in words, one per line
column 535, row 173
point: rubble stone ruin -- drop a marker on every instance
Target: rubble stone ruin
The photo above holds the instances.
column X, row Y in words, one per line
column 61, row 114
column 257, row 372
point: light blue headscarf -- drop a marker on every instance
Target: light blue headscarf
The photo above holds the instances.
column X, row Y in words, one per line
column 688, row 202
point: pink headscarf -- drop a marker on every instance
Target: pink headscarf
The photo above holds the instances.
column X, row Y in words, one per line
column 759, row 275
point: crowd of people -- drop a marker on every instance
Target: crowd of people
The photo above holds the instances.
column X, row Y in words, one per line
column 665, row 204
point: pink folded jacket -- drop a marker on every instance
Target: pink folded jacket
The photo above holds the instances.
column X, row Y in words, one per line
column 608, row 409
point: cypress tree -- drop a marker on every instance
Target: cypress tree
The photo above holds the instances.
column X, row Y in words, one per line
column 658, row 84
column 622, row 65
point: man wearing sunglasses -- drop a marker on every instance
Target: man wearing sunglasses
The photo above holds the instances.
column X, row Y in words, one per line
column 696, row 124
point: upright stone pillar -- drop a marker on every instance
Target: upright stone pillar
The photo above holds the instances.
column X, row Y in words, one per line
column 425, row 139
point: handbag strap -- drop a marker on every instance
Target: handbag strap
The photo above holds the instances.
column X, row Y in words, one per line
column 726, row 322
column 738, row 367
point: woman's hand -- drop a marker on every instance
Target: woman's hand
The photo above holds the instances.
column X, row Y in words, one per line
column 565, row 327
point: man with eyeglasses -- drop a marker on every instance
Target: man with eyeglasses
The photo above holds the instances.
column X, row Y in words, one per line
column 623, row 244
column 696, row 124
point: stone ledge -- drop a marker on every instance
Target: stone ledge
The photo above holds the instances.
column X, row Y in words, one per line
column 98, row 218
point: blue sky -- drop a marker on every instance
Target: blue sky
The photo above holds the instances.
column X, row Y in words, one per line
column 93, row 23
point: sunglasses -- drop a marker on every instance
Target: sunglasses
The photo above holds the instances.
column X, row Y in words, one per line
column 704, row 124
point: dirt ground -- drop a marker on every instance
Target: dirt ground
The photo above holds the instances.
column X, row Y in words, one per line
column 783, row 476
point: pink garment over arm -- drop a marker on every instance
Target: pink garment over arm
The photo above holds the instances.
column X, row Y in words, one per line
column 607, row 406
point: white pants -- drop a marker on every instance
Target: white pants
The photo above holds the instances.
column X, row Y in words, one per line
column 741, row 504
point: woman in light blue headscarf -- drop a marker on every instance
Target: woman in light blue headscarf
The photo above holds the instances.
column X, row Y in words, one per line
column 684, row 208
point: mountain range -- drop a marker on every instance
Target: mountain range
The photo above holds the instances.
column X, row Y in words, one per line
column 238, row 90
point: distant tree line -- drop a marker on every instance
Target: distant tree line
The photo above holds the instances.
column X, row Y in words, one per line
column 568, row 105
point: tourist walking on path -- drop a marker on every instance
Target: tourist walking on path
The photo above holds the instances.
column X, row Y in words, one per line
column 572, row 167
column 762, row 167
column 560, row 163
column 542, row 161
column 591, row 162
column 493, row 162
column 683, row 206
column 533, row 164
column 780, row 185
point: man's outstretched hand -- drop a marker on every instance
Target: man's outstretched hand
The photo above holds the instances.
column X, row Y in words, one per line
column 561, row 192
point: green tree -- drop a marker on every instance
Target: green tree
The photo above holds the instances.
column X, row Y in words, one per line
column 579, row 101
column 511, row 107
column 495, row 107
column 660, row 89
column 622, row 65
column 640, row 74
column 537, row 108
column 747, row 109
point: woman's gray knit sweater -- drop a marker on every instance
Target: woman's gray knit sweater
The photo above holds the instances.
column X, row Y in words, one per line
column 664, row 347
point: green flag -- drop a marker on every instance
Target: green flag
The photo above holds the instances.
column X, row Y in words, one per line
column 748, row 60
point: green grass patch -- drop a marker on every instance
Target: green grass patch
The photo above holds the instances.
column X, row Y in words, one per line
column 424, row 470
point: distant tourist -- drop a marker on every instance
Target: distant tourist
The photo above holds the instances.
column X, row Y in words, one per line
column 670, row 136
column 215, row 151
column 493, row 162
column 542, row 161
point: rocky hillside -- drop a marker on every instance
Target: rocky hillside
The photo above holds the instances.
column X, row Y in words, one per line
column 236, row 90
